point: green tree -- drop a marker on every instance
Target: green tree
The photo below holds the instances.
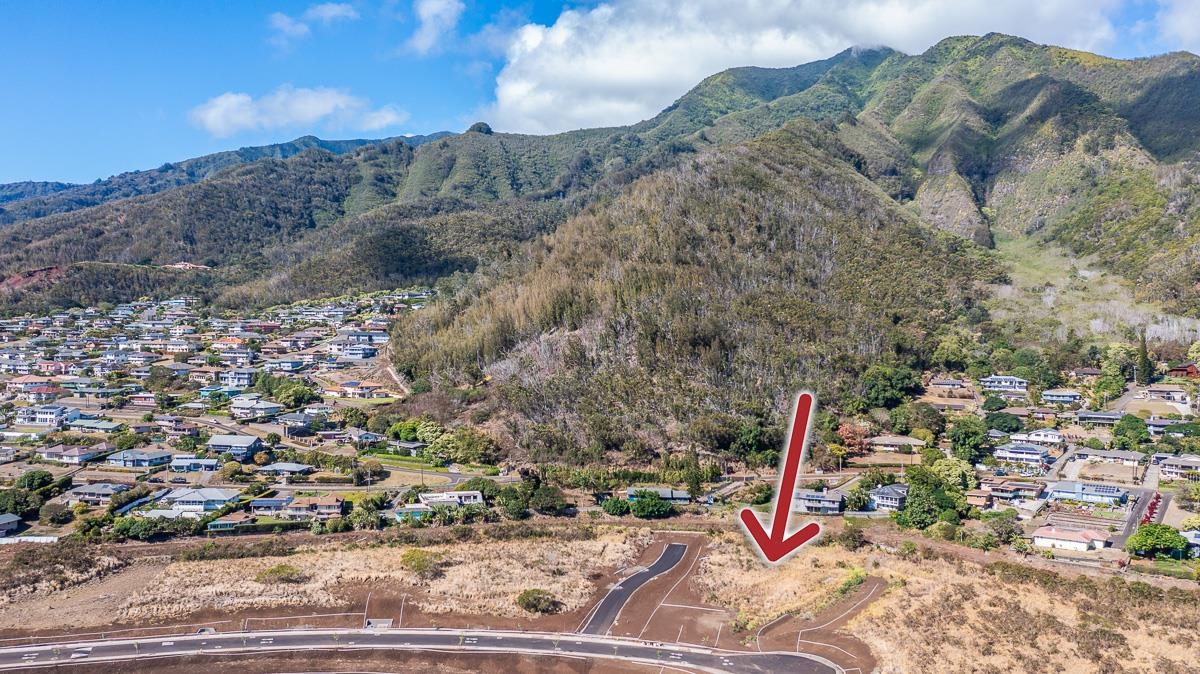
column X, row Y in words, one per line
column 1143, row 369
column 993, row 403
column 968, row 439
column 354, row 417
column 955, row 474
column 513, row 502
column 1003, row 422
column 34, row 480
column 1154, row 539
column 1190, row 523
column 888, row 386
column 617, row 507
column 548, row 500
column 1133, row 429
column 1004, row 525
column 649, row 505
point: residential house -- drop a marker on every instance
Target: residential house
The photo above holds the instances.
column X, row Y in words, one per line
column 1005, row 384
column 1085, row 373
column 1062, row 396
column 244, row 407
column 1189, row 370
column 979, row 498
column 231, row 522
column 49, row 416
column 1180, row 468
column 1041, row 436
column 888, row 497
column 26, row 382
column 894, row 443
column 818, row 502
column 239, row 377
column 273, row 505
column 1087, row 492
column 186, row 463
column 240, row 447
column 139, row 458
column 284, row 469
column 1094, row 418
column 461, row 498
column 1064, row 539
column 313, row 507
column 9, row 524
column 206, row 500
column 98, row 494
column 1025, row 455
column 1169, row 392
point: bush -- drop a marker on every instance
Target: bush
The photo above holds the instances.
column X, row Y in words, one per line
column 617, row 507
column 55, row 513
column 281, row 573
column 424, row 564
column 538, row 601
column 649, row 505
column 548, row 500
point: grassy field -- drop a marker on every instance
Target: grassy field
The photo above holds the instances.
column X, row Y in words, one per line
column 1054, row 291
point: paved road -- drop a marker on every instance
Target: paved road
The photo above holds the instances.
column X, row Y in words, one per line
column 606, row 611
column 686, row 658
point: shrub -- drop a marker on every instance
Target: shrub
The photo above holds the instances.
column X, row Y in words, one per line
column 538, row 601
column 617, row 507
column 281, row 573
column 424, row 564
column 649, row 505
column 55, row 513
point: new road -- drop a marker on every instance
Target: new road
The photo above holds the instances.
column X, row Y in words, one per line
column 670, row 656
column 606, row 611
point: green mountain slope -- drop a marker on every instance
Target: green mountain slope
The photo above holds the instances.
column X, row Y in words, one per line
column 665, row 314
column 978, row 136
column 25, row 201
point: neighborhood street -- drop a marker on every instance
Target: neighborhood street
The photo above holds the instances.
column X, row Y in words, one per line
column 674, row 656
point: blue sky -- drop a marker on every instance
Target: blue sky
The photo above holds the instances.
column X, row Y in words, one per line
column 94, row 89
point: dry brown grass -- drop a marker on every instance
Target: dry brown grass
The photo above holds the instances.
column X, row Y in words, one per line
column 947, row 615
column 734, row 576
column 481, row 578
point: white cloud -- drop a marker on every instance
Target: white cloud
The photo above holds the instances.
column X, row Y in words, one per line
column 625, row 60
column 1179, row 24
column 285, row 29
column 435, row 18
column 290, row 107
column 329, row 12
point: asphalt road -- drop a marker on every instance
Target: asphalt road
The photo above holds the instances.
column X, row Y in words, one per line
column 685, row 658
column 606, row 611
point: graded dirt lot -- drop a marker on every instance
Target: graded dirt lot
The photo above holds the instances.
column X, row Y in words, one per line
column 1111, row 472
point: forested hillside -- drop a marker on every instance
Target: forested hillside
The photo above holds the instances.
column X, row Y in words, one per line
column 664, row 315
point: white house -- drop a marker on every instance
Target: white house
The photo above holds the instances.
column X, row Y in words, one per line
column 1061, row 539
column 1004, row 384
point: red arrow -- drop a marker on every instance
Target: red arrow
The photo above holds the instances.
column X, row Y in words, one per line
column 779, row 544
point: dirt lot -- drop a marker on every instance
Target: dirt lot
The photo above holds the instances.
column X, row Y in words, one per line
column 1111, row 472
column 11, row 471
